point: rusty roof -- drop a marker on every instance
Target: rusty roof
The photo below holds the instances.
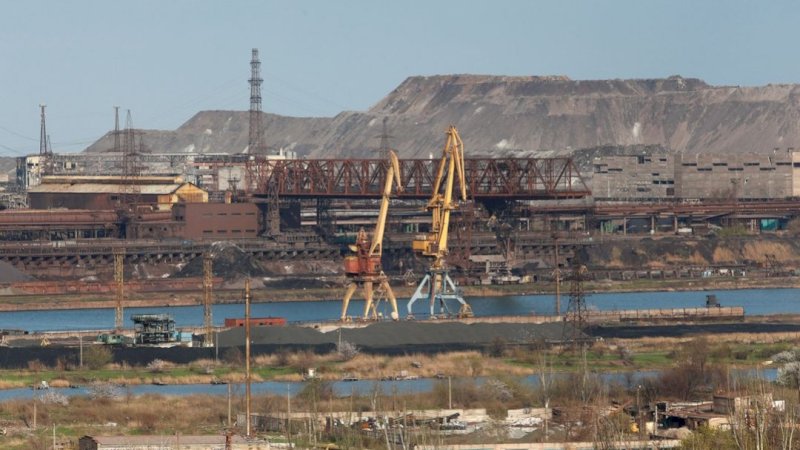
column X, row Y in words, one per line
column 94, row 188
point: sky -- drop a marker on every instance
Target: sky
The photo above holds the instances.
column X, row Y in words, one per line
column 166, row 60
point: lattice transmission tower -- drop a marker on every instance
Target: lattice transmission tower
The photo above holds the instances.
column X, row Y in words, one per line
column 255, row 143
column 575, row 319
column 119, row 280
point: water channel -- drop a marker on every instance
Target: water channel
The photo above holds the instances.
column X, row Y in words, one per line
column 754, row 302
column 345, row 388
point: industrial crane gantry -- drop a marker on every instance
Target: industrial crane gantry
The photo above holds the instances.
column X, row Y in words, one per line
column 364, row 268
column 437, row 280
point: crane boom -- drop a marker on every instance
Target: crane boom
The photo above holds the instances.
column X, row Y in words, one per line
column 434, row 244
column 392, row 175
column 365, row 268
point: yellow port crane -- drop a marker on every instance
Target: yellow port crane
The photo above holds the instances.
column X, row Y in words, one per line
column 364, row 268
column 440, row 287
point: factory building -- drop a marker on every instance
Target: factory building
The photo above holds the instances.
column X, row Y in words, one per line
column 662, row 176
column 634, row 177
column 217, row 220
column 108, row 192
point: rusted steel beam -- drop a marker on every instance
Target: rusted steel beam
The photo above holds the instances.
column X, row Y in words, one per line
column 506, row 178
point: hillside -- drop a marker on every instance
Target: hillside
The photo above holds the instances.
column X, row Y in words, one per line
column 519, row 116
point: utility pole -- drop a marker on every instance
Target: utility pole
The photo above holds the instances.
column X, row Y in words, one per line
column 247, row 351
column 557, row 274
column 119, row 279
column 208, row 286
column 229, row 405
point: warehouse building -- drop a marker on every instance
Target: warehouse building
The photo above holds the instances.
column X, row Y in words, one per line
column 109, row 192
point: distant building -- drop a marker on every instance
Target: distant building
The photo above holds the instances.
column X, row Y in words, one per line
column 634, row 177
column 661, row 176
column 109, row 192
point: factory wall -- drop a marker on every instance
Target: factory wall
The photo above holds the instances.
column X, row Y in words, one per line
column 656, row 177
column 217, row 220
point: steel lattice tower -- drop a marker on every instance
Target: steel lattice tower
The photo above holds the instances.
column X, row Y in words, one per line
column 576, row 309
column 116, row 129
column 384, row 137
column 119, row 278
column 254, row 142
column 43, row 150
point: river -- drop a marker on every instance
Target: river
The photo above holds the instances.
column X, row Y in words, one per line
column 754, row 302
column 342, row 388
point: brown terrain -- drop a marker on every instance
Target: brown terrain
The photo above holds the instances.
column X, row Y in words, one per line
column 499, row 115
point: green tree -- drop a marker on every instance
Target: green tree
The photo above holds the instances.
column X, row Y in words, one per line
column 97, row 356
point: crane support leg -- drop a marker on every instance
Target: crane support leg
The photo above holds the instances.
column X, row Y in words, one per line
column 439, row 288
column 351, row 289
column 369, row 307
column 392, row 299
column 418, row 294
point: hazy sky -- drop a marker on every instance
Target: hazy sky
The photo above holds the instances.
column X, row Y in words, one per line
column 166, row 60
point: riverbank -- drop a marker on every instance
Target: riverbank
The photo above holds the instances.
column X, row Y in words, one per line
column 13, row 302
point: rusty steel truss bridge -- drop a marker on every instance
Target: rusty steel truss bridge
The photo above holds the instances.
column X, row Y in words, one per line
column 487, row 178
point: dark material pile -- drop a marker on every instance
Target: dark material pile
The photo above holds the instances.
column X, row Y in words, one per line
column 10, row 274
column 229, row 263
column 402, row 337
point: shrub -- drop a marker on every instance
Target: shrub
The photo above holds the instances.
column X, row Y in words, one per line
column 346, row 350
column 157, row 365
column 233, row 356
column 97, row 356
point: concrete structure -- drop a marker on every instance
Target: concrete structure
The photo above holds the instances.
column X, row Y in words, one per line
column 735, row 176
column 152, row 442
column 109, row 192
column 634, row 177
column 746, row 176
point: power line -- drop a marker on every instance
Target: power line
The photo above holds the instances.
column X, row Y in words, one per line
column 18, row 134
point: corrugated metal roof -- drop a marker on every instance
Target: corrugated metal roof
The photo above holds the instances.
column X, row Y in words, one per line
column 92, row 188
column 164, row 179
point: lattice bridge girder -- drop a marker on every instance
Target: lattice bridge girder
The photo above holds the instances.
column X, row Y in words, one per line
column 487, row 178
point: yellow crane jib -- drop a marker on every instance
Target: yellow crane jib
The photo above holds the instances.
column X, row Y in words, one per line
column 440, row 287
column 364, row 268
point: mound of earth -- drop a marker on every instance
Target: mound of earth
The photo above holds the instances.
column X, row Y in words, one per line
column 229, row 263
column 10, row 274
column 682, row 251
